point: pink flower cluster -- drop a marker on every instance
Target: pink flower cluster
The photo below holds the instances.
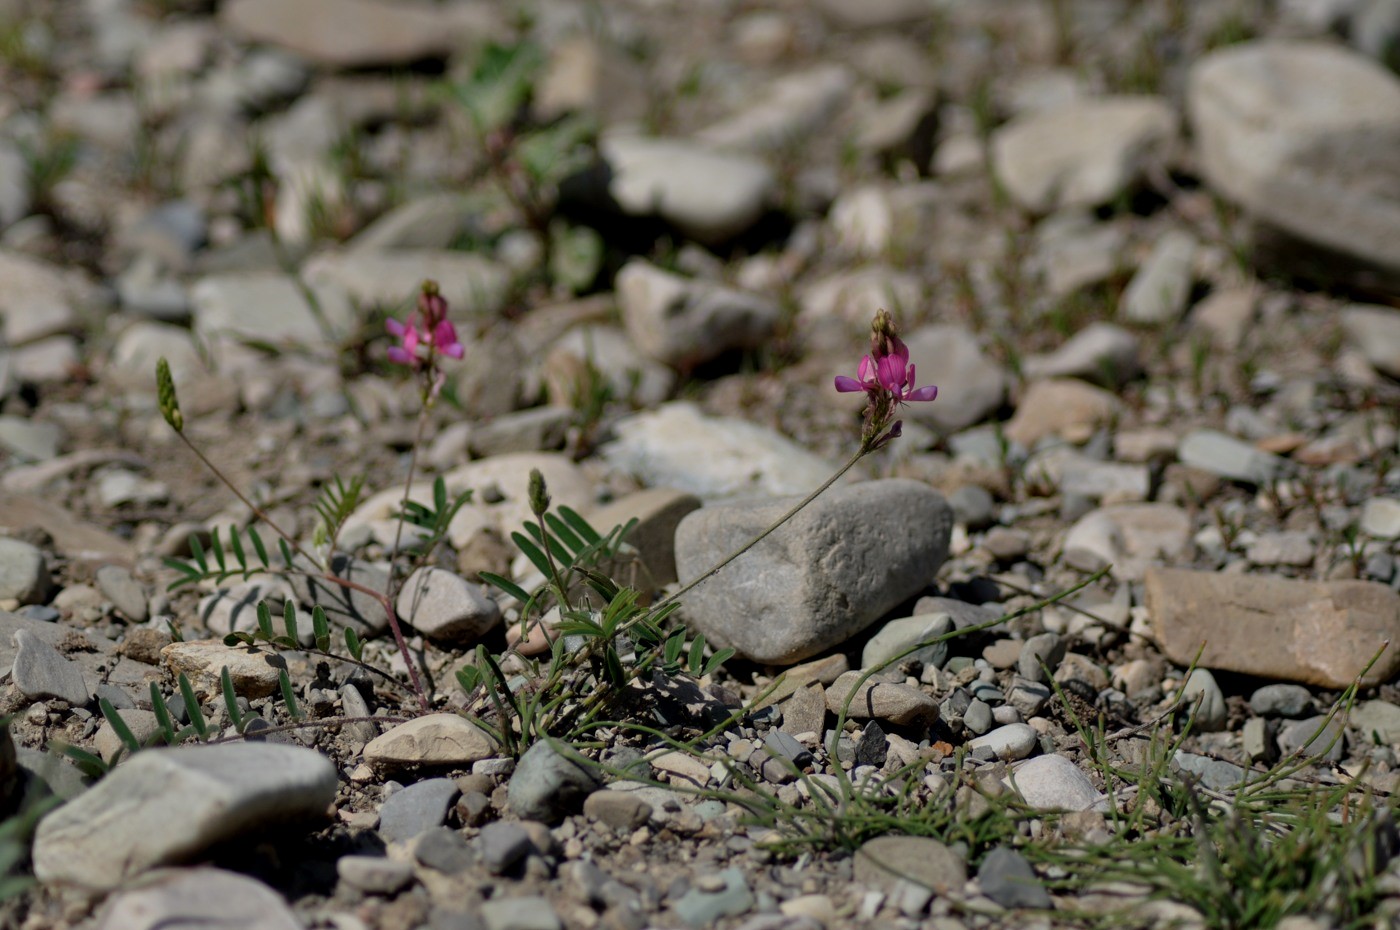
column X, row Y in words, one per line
column 427, row 333
column 888, row 372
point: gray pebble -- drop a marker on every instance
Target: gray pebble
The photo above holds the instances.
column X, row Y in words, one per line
column 702, row 908
column 1008, row 879
column 532, row 913
column 124, row 591
column 973, row 506
column 621, row 810
column 501, row 845
column 24, row 572
column 374, row 874
column 41, row 671
column 548, row 786
column 978, row 716
column 1281, row 700
column 1043, row 649
column 1014, row 741
column 1211, row 712
column 417, row 808
column 1317, row 735
column 444, row 850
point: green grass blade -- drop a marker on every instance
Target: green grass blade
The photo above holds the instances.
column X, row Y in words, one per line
column 235, row 715
column 258, row 546
column 119, row 726
column 201, row 726
column 289, row 620
column 288, row 697
column 265, row 619
column 162, row 712
column 532, row 552
column 321, row 628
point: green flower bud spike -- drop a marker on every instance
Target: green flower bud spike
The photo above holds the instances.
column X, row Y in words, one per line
column 539, row 497
column 165, row 396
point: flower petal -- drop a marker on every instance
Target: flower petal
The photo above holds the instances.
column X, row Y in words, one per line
column 399, row 357
column 846, row 385
column 394, row 327
column 867, row 369
column 927, row 392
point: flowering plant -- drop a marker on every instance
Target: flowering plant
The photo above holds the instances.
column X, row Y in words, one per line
column 887, row 378
column 426, row 335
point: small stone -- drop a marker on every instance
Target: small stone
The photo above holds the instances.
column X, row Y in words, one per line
column 971, row 385
column 1379, row 720
column 785, row 111
column 445, row 607
column 253, row 670
column 1315, row 633
column 805, row 710
column 973, row 506
column 374, row 874
column 122, row 826
column 547, row 785
column 708, row 195
column 343, row 605
column 658, row 511
column 501, row 845
column 619, row 810
column 432, row 740
column 699, row 907
column 124, row 591
column 683, row 322
column 1084, row 153
column 1059, row 407
column 444, row 850
column 1202, row 695
column 1285, row 548
column 1008, row 743
column 1008, row 879
column 30, row 441
column 1216, row 774
column 536, row 430
column 1130, row 537
column 198, row 897
column 881, row 862
column 1158, row 292
column 902, row 705
column 1281, row 700
column 367, row 33
column 1380, row 517
column 825, row 575
column 520, row 914
column 1319, row 736
column 898, row 636
column 24, row 572
column 416, row 809
column 1044, row 650
column 1228, row 457
column 977, row 717
column 41, row 671
column 1100, row 352
column 141, row 723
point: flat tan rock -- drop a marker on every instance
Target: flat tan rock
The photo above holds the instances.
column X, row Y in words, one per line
column 434, row 740
column 1062, row 407
column 1316, row 633
column 898, row 703
column 252, row 670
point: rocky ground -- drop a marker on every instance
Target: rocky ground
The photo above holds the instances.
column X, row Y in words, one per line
column 1149, row 253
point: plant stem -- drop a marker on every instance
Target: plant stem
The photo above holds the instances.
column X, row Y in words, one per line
column 408, row 488
column 326, row 573
column 796, row 508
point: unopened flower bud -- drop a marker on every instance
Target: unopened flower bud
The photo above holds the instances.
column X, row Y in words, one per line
column 539, row 495
column 432, row 305
column 883, row 335
column 165, row 397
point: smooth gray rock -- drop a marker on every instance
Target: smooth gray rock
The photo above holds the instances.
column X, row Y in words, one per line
column 1303, row 135
column 1083, row 153
column 28, row 440
column 416, row 809
column 547, row 786
column 124, row 591
column 824, row 576
column 971, row 385
column 1040, row 651
column 703, row 908
column 898, row 635
column 1159, row 290
column 684, row 322
column 24, row 572
column 1377, row 719
column 1211, row 713
column 446, row 607
column 620, row 810
column 1054, row 783
column 1281, row 700
column 1213, row 773
column 1008, row 879
column 1228, row 457
column 501, row 845
column 532, row 913
column 266, row 307
column 471, row 283
column 191, row 899
column 707, row 195
column 1314, row 737
column 41, row 671
column 342, row 605
column 374, row 874
column 1375, row 332
column 1380, row 517
column 885, row 860
column 784, row 111
column 124, row 826
column 1013, row 741
column 678, row 446
column 1100, row 352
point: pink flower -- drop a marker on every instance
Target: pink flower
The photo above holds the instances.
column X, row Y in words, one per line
column 887, row 371
column 427, row 333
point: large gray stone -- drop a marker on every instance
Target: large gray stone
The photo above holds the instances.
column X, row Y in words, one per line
column 831, row 571
column 168, row 805
column 683, row 322
column 192, row 899
column 24, row 572
column 446, row 607
column 1303, row 135
column 971, row 386
column 41, row 671
column 1082, row 153
column 707, row 195
column 548, row 785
